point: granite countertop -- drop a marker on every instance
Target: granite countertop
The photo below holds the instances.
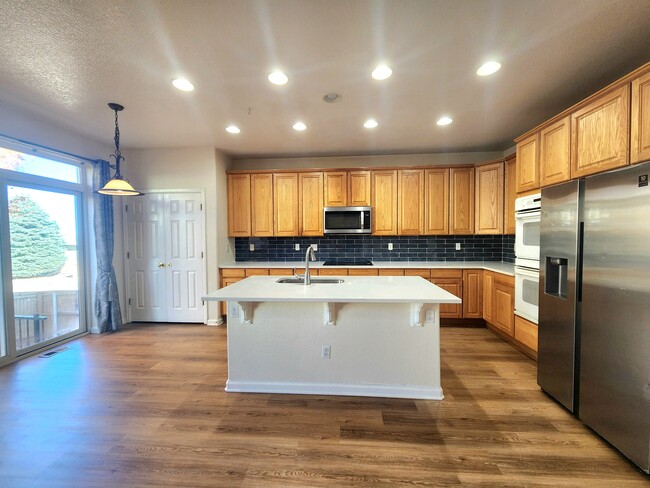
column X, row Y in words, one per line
column 499, row 267
column 354, row 289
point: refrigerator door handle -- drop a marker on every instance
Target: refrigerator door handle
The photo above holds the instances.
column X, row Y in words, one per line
column 581, row 233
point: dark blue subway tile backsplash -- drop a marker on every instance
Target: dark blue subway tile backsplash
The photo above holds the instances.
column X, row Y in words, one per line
column 405, row 248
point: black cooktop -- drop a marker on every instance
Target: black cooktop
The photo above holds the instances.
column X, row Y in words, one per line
column 347, row 262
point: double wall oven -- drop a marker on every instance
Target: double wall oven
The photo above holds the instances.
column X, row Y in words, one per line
column 527, row 230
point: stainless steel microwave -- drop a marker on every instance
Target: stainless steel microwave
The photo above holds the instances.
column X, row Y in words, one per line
column 347, row 220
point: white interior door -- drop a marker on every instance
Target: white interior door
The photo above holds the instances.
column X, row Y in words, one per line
column 146, row 262
column 165, row 260
column 184, row 252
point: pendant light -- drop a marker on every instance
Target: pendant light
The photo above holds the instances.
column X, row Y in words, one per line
column 118, row 186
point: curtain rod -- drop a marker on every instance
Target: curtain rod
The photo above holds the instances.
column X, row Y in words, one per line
column 47, row 148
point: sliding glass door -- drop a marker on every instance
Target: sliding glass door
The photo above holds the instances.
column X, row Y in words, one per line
column 45, row 265
column 42, row 244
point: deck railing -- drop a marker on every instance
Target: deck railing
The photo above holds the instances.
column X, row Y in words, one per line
column 43, row 315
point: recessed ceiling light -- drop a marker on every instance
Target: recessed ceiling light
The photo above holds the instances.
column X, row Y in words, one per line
column 183, row 84
column 382, row 72
column 444, row 121
column 488, row 68
column 370, row 124
column 299, row 126
column 278, row 78
column 332, row 97
column 233, row 129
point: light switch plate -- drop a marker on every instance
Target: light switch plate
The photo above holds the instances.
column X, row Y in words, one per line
column 314, row 247
column 390, row 246
column 251, row 247
column 296, row 247
column 458, row 246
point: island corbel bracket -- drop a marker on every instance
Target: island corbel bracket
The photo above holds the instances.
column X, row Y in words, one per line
column 330, row 313
column 247, row 309
column 418, row 314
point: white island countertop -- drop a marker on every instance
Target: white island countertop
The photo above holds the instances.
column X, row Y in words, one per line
column 384, row 289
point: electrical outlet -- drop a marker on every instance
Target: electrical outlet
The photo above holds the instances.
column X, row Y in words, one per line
column 296, row 247
column 234, row 311
column 314, row 247
column 251, row 247
column 458, row 246
column 390, row 246
column 430, row 316
column 326, row 352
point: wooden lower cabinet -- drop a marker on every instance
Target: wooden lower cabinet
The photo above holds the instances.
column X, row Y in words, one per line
column 472, row 293
column 504, row 306
column 450, row 280
column 488, row 296
column 526, row 333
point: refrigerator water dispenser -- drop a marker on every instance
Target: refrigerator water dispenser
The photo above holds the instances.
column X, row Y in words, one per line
column 556, row 277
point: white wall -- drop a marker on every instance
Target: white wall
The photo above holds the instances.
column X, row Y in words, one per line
column 201, row 169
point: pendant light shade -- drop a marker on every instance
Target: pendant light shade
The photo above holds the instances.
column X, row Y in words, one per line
column 118, row 186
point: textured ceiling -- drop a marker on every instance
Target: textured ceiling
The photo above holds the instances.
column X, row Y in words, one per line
column 63, row 60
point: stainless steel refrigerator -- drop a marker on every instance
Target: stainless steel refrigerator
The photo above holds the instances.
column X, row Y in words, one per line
column 594, row 304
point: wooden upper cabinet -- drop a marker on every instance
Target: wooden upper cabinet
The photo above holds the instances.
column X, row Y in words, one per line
column 239, row 205
column 311, row 203
column 528, row 164
column 359, row 189
column 436, row 201
column 384, row 202
column 461, row 200
column 510, row 196
column 285, row 204
column 600, row 132
column 489, row 199
column 262, row 204
column 336, row 188
column 347, row 188
column 410, row 198
column 555, row 153
column 640, row 126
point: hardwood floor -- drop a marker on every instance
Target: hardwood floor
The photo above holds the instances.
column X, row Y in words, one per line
column 145, row 407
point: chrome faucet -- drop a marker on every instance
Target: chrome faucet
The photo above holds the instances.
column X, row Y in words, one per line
column 309, row 255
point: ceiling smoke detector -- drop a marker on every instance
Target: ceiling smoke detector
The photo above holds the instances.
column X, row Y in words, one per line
column 332, row 97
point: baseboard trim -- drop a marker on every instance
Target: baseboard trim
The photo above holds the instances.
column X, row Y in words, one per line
column 215, row 322
column 385, row 391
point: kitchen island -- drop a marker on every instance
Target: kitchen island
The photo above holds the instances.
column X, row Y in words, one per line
column 365, row 336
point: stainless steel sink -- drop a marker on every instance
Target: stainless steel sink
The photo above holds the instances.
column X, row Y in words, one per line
column 313, row 280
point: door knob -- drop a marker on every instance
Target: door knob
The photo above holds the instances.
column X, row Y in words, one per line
column 161, row 265
column 169, row 265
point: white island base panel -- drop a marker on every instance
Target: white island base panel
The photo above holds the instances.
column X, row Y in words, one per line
column 375, row 349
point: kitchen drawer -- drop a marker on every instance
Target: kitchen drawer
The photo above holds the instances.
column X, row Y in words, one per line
column 281, row 272
column 425, row 273
column 504, row 279
column 362, row 272
column 447, row 273
column 333, row 272
column 257, row 271
column 526, row 332
column 391, row 272
column 233, row 272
